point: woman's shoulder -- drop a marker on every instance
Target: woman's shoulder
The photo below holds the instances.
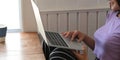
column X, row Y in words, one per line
column 110, row 14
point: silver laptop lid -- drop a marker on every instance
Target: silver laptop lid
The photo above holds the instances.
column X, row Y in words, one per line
column 38, row 20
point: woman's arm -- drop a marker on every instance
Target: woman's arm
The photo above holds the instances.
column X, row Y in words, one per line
column 81, row 37
column 89, row 41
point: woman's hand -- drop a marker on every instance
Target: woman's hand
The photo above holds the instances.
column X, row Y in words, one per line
column 80, row 37
column 82, row 56
column 74, row 35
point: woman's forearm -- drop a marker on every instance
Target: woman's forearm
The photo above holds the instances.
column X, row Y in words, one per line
column 90, row 42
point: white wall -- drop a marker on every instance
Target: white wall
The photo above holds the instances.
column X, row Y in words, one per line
column 53, row 5
column 28, row 20
column 29, row 24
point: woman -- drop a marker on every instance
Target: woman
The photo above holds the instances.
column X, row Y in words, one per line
column 106, row 42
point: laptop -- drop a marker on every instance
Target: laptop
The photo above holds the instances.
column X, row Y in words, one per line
column 53, row 38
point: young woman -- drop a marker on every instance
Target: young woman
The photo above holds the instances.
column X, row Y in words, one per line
column 106, row 42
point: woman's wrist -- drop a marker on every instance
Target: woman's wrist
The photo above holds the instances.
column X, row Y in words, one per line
column 85, row 37
column 89, row 41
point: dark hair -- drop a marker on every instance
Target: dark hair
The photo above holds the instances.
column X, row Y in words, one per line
column 118, row 1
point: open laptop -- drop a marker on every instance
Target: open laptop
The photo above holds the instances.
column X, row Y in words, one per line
column 53, row 38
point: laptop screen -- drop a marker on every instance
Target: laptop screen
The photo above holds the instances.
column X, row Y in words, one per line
column 38, row 20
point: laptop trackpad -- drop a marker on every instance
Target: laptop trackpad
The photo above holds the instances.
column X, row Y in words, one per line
column 73, row 44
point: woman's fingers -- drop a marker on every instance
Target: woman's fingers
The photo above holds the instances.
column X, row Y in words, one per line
column 81, row 55
column 84, row 48
column 68, row 34
column 64, row 33
column 75, row 34
column 81, row 38
column 78, row 55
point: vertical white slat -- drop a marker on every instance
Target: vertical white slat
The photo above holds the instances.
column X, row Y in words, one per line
column 62, row 22
column 72, row 21
column 45, row 21
column 52, row 22
column 101, row 18
column 92, row 25
column 82, row 22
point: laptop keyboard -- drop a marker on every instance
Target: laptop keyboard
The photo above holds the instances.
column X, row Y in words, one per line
column 55, row 39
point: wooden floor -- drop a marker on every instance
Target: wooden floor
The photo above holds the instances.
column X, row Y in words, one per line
column 21, row 46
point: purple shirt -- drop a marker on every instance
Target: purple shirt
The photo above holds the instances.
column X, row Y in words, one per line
column 107, row 38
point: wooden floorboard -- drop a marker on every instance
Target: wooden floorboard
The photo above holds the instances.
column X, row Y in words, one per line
column 21, row 46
